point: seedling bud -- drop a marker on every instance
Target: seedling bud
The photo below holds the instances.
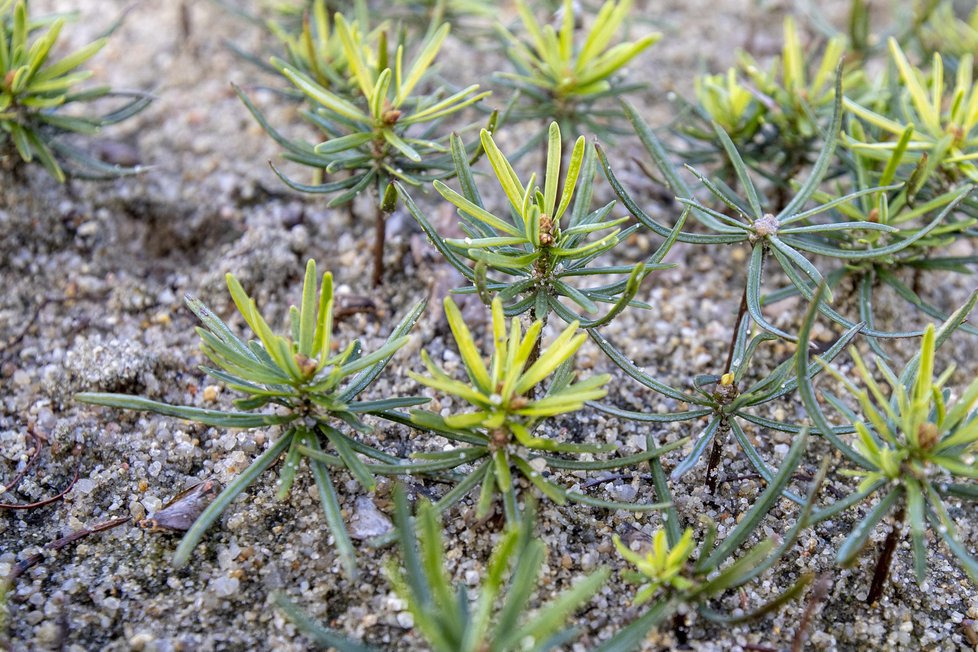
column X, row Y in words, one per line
column 306, row 364
column 927, row 435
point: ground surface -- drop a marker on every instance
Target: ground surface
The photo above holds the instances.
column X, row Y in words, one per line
column 93, row 277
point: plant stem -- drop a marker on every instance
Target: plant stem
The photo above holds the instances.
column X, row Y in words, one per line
column 380, row 234
column 741, row 311
column 716, row 454
column 681, row 629
column 886, row 558
column 819, row 591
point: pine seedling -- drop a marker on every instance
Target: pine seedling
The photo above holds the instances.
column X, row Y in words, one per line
column 922, row 231
column 563, row 79
column 305, row 39
column 533, row 256
column 772, row 114
column 788, row 237
column 315, row 393
column 944, row 32
column 444, row 617
column 728, row 403
column 498, row 435
column 727, row 101
column 386, row 131
column 944, row 125
column 663, row 567
column 675, row 584
column 915, row 449
column 499, row 620
column 39, row 95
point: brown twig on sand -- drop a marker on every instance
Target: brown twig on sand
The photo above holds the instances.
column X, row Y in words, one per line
column 15, row 339
column 819, row 591
column 47, row 501
column 38, row 446
column 25, row 564
column 349, row 305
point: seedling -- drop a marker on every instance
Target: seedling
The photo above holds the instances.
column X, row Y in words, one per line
column 773, row 114
column 914, row 450
column 499, row 433
column 444, row 617
column 315, row 390
column 670, row 579
column 944, row 127
column 36, row 90
column 924, row 228
column 943, row 31
column 786, row 236
column 307, row 42
column 529, row 259
column 720, row 399
column 559, row 78
column 385, row 132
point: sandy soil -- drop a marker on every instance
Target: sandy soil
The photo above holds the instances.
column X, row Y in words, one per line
column 93, row 279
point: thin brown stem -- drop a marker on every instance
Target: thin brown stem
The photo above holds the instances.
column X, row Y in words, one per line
column 885, row 559
column 38, row 446
column 380, row 234
column 736, row 329
column 716, row 454
column 47, row 501
column 29, row 562
column 680, row 628
column 819, row 591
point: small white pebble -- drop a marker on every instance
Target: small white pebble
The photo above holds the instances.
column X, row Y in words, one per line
column 140, row 641
column 84, row 486
column 225, row 586
column 151, row 503
column 405, row 619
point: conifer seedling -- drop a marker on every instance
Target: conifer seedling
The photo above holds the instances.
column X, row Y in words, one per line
column 39, row 96
column 386, row 129
column 313, row 390
column 499, row 433
column 915, row 448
